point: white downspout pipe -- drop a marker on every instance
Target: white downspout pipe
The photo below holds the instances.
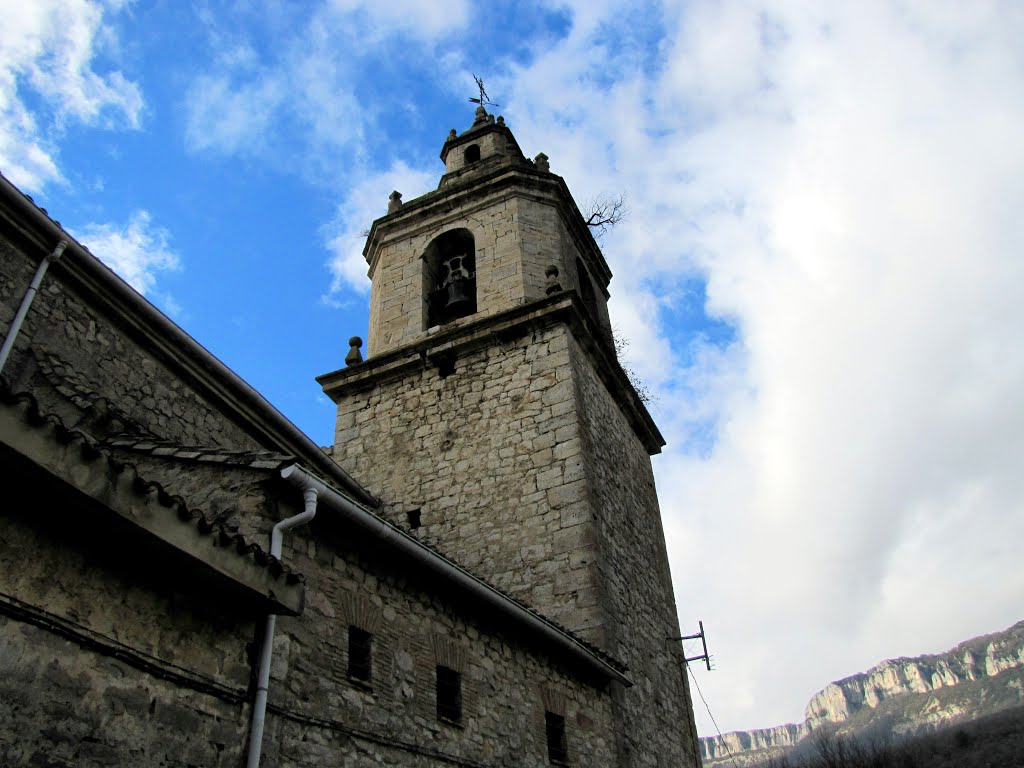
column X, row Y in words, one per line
column 26, row 302
column 259, row 707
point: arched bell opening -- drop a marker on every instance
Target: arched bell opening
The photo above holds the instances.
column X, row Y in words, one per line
column 449, row 277
column 472, row 153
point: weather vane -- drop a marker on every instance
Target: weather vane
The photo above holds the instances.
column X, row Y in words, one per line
column 484, row 99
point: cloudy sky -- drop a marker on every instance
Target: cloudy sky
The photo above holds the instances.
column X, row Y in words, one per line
column 821, row 277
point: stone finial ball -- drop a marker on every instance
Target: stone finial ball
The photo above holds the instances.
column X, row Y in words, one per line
column 355, row 341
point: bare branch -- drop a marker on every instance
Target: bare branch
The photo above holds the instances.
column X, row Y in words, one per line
column 604, row 212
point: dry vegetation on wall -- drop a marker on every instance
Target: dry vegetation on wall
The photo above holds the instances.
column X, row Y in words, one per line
column 621, row 344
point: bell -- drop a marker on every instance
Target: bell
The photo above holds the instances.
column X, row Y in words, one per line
column 459, row 299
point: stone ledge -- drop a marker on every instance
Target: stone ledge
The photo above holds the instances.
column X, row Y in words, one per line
column 443, row 349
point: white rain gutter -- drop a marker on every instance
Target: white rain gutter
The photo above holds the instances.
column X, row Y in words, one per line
column 259, row 707
column 440, row 565
column 26, row 302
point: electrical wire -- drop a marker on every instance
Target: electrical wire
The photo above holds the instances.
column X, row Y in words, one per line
column 714, row 722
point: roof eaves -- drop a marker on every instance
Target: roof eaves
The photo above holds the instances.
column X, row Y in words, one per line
column 79, row 262
column 102, row 477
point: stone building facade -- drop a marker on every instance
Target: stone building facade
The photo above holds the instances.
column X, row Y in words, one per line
column 507, row 429
column 483, row 582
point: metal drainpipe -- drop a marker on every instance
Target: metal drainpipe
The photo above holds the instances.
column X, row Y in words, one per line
column 259, row 707
column 26, row 302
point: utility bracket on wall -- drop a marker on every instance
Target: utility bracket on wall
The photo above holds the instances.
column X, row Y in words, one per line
column 704, row 642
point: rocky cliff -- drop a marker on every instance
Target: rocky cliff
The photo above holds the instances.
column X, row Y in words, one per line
column 898, row 696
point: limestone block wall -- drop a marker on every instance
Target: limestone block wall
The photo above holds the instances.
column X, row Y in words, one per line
column 598, row 309
column 93, row 653
column 491, row 456
column 321, row 717
column 111, row 661
column 544, row 241
column 524, row 468
column 517, row 236
column 119, row 663
column 635, row 575
column 490, row 144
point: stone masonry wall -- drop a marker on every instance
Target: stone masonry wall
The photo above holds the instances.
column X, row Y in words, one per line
column 634, row 572
column 96, row 652
column 525, row 469
column 64, row 701
column 489, row 144
column 68, row 699
column 506, row 686
column 491, row 455
column 63, row 706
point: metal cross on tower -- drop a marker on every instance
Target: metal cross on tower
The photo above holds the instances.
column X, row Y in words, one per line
column 484, row 98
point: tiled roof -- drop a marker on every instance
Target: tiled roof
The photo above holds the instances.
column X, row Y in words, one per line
column 70, row 383
column 92, row 451
column 167, row 449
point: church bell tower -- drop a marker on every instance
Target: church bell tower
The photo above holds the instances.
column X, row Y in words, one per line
column 492, row 418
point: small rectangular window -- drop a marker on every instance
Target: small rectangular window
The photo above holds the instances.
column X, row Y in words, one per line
column 449, row 694
column 360, row 654
column 415, row 518
column 558, row 751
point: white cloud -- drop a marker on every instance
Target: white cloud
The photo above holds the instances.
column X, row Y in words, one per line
column 298, row 103
column 848, row 181
column 48, row 47
column 231, row 117
column 367, row 200
column 138, row 251
column 878, row 295
column 426, row 21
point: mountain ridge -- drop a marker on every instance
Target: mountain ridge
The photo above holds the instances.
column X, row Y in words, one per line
column 919, row 689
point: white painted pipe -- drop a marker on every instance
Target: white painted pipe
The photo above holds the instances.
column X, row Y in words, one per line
column 259, row 707
column 26, row 302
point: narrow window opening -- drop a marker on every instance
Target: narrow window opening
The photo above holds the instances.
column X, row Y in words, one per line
column 360, row 655
column 558, row 751
column 472, row 153
column 587, row 291
column 449, row 694
column 415, row 520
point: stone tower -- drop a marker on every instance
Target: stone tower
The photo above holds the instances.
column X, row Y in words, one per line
column 492, row 418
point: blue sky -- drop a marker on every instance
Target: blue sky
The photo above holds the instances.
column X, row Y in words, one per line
column 820, row 276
